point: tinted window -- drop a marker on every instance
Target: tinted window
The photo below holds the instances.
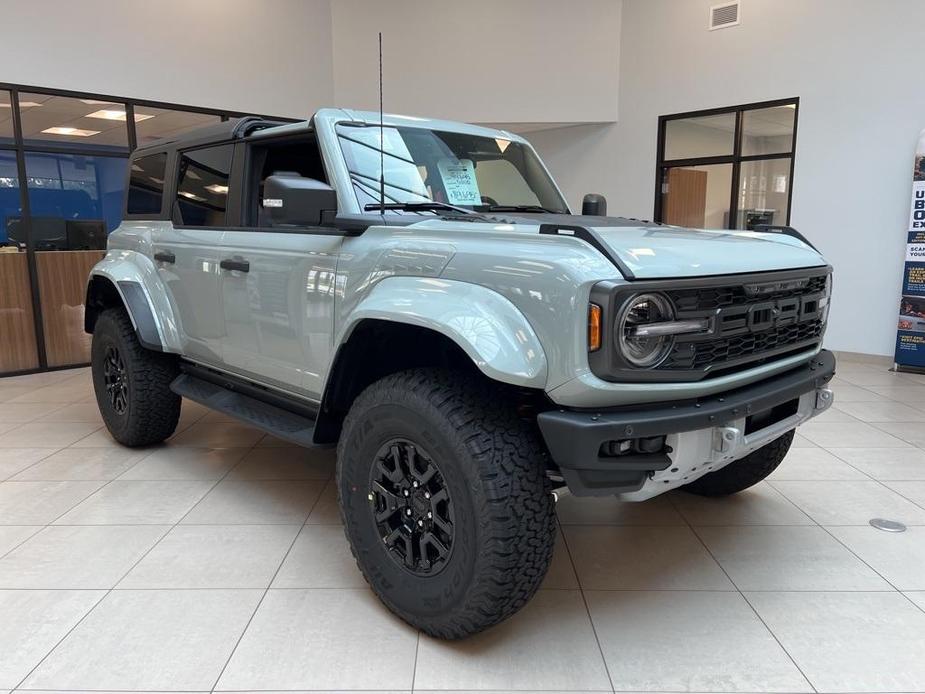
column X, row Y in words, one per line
column 202, row 186
column 146, row 184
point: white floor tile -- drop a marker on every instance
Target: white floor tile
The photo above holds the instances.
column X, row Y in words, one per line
column 15, row 460
column 182, row 463
column 33, row 622
column 217, row 435
column 257, row 502
column 608, row 510
column 849, row 393
column 13, row 535
column 883, row 411
column 885, row 463
column 39, row 503
column 816, row 464
column 128, row 503
column 619, row 558
column 788, row 558
column 46, row 434
column 912, row 490
column 77, row 556
column 561, row 574
column 320, row 558
column 150, row 640
column 849, row 435
column 81, row 412
column 326, row 510
column 25, row 412
column 910, row 432
column 898, row 557
column 214, row 556
column 850, row 503
column 518, row 653
column 689, row 641
column 83, row 464
column 285, row 464
column 322, row 639
column 758, row 505
column 849, row 642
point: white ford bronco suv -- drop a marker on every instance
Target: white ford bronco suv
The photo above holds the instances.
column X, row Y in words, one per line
column 419, row 293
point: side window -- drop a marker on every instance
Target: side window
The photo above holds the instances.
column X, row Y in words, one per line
column 202, row 186
column 146, row 184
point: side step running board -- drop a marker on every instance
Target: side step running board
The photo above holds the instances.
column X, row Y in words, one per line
column 273, row 420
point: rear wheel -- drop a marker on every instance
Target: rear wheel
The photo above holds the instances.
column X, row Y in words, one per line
column 132, row 384
column 445, row 500
column 745, row 472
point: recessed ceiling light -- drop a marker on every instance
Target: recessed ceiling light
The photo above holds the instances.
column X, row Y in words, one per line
column 22, row 104
column 67, row 130
column 96, row 102
column 116, row 114
column 219, row 189
column 191, row 196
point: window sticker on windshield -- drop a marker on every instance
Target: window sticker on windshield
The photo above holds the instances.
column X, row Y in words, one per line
column 459, row 181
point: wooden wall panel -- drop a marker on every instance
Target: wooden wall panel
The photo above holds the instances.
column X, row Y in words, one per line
column 685, row 204
column 62, row 289
column 17, row 330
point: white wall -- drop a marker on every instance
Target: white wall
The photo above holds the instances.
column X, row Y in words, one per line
column 854, row 66
column 507, row 61
column 271, row 56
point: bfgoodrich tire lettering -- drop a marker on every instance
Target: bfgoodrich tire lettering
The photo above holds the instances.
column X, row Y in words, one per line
column 743, row 473
column 132, row 384
column 492, row 465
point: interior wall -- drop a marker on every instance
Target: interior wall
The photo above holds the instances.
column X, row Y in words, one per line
column 481, row 61
column 272, row 56
column 852, row 65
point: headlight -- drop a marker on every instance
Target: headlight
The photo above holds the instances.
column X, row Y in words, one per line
column 641, row 347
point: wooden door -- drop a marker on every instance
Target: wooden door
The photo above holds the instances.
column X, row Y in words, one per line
column 685, row 200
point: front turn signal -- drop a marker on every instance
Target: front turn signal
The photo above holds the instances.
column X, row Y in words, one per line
column 594, row 327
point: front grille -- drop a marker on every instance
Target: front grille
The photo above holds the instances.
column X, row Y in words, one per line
column 747, row 325
column 699, row 355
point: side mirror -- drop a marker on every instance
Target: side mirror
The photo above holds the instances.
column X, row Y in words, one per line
column 292, row 200
column 594, row 205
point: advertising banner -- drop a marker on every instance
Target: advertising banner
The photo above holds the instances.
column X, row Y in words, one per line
column 910, row 335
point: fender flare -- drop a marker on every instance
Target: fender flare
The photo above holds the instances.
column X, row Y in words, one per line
column 490, row 329
column 144, row 296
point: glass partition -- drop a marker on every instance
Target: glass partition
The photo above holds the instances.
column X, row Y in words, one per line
column 6, row 118
column 72, row 123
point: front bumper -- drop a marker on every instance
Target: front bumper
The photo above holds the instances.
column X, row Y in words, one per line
column 702, row 435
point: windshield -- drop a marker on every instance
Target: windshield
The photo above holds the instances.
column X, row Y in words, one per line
column 453, row 169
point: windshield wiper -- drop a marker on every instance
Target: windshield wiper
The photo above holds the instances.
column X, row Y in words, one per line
column 430, row 205
column 522, row 208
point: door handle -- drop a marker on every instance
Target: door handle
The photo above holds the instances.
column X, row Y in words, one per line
column 235, row 264
column 165, row 257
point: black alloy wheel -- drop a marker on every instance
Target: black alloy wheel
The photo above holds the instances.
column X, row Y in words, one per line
column 411, row 507
column 116, row 380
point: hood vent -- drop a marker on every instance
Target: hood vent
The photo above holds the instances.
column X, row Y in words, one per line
column 725, row 15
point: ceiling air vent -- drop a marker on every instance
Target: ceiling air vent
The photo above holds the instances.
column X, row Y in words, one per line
column 725, row 15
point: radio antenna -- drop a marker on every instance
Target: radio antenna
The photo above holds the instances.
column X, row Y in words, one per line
column 381, row 138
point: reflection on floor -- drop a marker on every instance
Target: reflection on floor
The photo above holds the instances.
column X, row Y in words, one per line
column 217, row 562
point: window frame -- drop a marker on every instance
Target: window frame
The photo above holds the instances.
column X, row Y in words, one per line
column 736, row 159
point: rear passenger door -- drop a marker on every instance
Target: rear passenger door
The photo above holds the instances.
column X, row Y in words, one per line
column 188, row 251
column 279, row 312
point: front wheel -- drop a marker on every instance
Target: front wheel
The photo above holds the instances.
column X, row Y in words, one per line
column 744, row 473
column 132, row 384
column 445, row 500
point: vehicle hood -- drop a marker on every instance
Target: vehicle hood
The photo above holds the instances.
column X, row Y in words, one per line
column 653, row 251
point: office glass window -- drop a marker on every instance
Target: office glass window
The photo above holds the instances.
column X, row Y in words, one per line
column 768, row 130
column 202, row 185
column 72, row 123
column 705, row 136
column 151, row 124
column 6, row 118
column 727, row 168
column 75, row 199
column 146, row 184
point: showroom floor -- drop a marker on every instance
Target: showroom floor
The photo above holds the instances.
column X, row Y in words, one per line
column 217, row 562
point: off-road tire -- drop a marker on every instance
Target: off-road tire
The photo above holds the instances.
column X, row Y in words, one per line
column 743, row 473
column 151, row 409
column 493, row 464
